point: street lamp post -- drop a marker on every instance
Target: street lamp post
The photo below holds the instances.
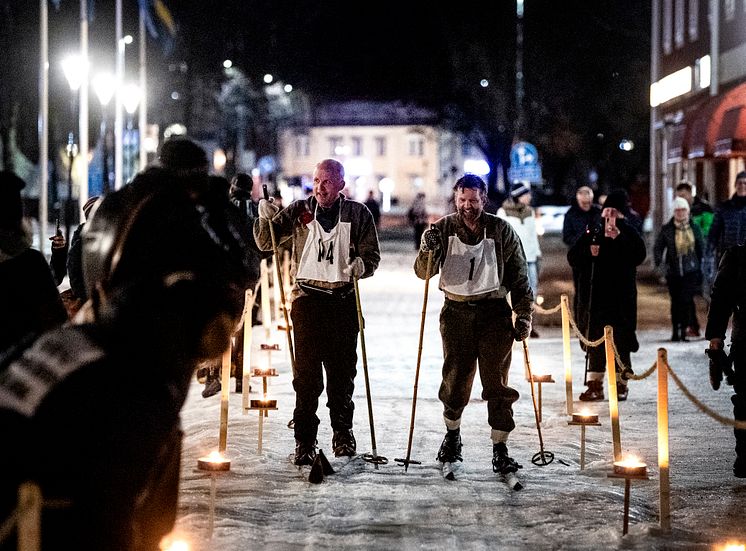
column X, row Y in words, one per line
column 131, row 95
column 104, row 85
column 76, row 70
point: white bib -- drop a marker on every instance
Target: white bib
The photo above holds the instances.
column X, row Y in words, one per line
column 324, row 255
column 469, row 270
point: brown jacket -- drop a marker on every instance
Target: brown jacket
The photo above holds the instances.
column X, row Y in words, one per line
column 512, row 269
column 290, row 224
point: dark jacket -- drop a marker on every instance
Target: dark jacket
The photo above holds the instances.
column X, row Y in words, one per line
column 728, row 226
column 607, row 286
column 29, row 301
column 728, row 296
column 576, row 221
column 665, row 244
column 75, row 265
column 115, row 462
column 512, row 270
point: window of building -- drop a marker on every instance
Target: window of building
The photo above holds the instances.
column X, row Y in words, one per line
column 380, row 146
column 679, row 23
column 335, row 143
column 694, row 20
column 667, row 26
column 302, row 145
column 416, row 181
column 416, row 145
column 729, row 9
column 357, row 146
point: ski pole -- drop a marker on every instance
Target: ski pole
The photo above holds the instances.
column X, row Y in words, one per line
column 369, row 457
column 542, row 457
column 279, row 282
column 407, row 461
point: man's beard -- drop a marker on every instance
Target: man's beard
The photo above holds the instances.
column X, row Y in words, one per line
column 469, row 214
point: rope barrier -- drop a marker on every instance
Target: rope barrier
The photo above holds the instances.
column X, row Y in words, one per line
column 702, row 407
column 643, row 375
column 539, row 310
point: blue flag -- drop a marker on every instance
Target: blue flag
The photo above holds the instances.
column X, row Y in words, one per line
column 159, row 22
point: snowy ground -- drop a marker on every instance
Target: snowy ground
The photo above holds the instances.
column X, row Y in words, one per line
column 264, row 503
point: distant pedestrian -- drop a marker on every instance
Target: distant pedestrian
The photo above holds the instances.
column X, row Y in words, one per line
column 29, row 300
column 480, row 260
column 518, row 212
column 417, row 216
column 77, row 292
column 619, row 199
column 729, row 224
column 678, row 253
column 582, row 215
column 374, row 207
column 729, row 299
column 702, row 216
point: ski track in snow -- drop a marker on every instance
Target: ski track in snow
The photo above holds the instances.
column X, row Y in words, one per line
column 263, row 502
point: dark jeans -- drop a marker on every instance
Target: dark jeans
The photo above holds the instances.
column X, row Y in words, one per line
column 479, row 333
column 325, row 330
column 682, row 289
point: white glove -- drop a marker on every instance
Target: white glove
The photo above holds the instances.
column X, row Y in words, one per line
column 356, row 268
column 268, row 209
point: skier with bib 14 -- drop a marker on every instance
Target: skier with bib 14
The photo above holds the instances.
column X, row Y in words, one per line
column 480, row 260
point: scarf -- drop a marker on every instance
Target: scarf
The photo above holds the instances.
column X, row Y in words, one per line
column 684, row 238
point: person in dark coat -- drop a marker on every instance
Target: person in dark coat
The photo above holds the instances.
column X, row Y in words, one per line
column 619, row 199
column 374, row 207
column 75, row 256
column 729, row 299
column 163, row 265
column 606, row 259
column 582, row 214
column 29, row 300
column 729, row 224
column 680, row 240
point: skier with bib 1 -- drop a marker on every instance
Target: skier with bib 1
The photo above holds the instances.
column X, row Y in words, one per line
column 480, row 260
column 323, row 230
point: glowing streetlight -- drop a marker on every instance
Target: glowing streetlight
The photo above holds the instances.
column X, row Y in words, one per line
column 268, row 78
column 288, row 88
column 227, row 64
column 76, row 70
column 104, row 85
column 131, row 98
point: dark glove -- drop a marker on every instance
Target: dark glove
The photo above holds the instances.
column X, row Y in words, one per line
column 430, row 240
column 522, row 329
column 719, row 364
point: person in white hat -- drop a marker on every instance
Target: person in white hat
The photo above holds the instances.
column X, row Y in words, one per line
column 678, row 254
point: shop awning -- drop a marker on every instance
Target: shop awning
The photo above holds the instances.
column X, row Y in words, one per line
column 718, row 128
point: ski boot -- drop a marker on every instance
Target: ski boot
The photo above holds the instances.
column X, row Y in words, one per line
column 343, row 443
column 305, row 453
column 502, row 463
column 450, row 449
column 594, row 393
column 622, row 391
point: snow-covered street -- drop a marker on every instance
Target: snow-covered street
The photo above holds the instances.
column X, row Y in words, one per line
column 264, row 503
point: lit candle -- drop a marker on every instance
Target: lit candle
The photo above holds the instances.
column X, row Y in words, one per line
column 264, row 403
column 630, row 466
column 215, row 461
column 542, row 377
column 168, row 543
column 585, row 416
column 731, row 546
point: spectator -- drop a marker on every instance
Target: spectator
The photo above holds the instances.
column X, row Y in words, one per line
column 619, row 199
column 700, row 211
column 729, row 224
column 163, row 264
column 519, row 214
column 729, row 300
column 606, row 258
column 75, row 260
column 680, row 240
column 29, row 301
column 417, row 216
column 374, row 207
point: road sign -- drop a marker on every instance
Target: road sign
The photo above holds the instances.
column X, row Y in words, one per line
column 524, row 163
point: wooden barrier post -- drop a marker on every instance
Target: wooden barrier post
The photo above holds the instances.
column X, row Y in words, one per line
column 566, row 353
column 613, row 400
column 663, row 464
column 266, row 308
column 225, row 374
column 29, row 517
column 247, row 342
